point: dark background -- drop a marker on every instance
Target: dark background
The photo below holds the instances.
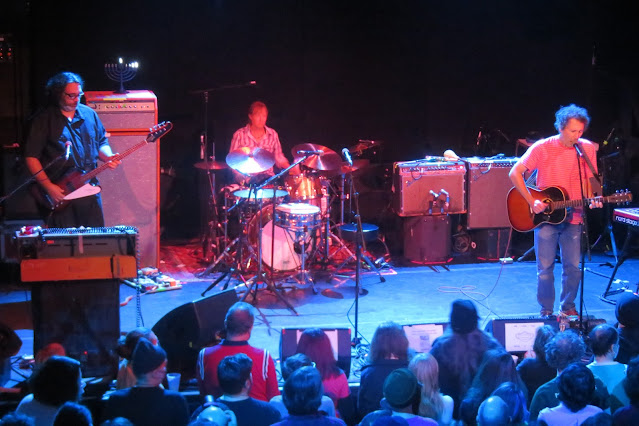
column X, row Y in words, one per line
column 421, row 76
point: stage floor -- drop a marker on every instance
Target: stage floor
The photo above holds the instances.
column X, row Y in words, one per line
column 408, row 295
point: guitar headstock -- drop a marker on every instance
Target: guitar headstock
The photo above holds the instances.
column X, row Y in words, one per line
column 623, row 196
column 159, row 130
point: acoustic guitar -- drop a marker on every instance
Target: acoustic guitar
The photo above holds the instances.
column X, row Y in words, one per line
column 523, row 219
column 74, row 182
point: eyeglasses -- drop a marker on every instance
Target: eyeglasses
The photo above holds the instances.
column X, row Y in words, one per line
column 73, row 96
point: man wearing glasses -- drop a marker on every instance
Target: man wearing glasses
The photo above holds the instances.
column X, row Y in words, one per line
column 63, row 136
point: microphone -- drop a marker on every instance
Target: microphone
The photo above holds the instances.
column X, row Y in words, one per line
column 578, row 149
column 607, row 140
column 309, row 152
column 67, row 151
column 347, row 155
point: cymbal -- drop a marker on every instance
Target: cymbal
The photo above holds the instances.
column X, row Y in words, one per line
column 326, row 160
column 250, row 160
column 364, row 144
column 345, row 168
column 211, row 165
column 261, row 193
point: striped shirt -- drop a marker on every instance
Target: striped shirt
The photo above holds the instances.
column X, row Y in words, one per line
column 270, row 141
column 556, row 165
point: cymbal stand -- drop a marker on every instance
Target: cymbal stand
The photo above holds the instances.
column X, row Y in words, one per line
column 329, row 235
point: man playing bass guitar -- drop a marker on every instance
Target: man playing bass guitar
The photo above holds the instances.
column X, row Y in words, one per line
column 64, row 136
column 555, row 159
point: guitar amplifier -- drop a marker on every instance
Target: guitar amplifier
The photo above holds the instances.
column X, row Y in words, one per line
column 426, row 187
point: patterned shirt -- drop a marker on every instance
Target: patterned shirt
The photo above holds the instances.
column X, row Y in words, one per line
column 270, row 142
column 557, row 165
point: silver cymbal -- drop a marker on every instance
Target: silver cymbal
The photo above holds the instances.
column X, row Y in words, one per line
column 250, row 160
column 327, row 160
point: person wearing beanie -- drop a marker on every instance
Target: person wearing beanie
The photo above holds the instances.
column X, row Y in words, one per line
column 148, row 403
column 460, row 350
column 627, row 313
column 126, row 345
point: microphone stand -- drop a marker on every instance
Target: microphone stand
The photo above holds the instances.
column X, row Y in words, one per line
column 584, row 236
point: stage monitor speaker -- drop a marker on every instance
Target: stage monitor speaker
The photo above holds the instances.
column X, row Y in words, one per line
column 427, row 239
column 490, row 244
column 488, row 186
column 518, row 334
column 84, row 317
column 340, row 341
column 421, row 336
column 190, row 327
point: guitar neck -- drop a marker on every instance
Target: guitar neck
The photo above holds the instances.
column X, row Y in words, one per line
column 578, row 202
column 93, row 173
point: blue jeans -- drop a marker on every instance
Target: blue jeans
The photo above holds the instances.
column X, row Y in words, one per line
column 568, row 236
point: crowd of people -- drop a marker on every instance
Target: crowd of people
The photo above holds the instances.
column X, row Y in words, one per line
column 467, row 378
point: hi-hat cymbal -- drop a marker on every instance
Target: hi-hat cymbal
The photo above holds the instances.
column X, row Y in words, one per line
column 326, row 160
column 345, row 168
column 250, row 160
column 211, row 165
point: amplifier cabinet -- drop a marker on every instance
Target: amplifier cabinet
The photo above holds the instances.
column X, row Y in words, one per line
column 419, row 186
column 488, row 186
column 427, row 239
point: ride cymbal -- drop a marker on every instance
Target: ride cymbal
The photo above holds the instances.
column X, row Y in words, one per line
column 211, row 165
column 250, row 160
column 326, row 160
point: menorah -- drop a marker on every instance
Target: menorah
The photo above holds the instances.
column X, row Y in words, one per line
column 121, row 72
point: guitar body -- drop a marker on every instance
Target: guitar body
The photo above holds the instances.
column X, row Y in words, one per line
column 521, row 216
column 74, row 186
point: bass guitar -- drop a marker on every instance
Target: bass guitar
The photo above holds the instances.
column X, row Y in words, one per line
column 523, row 219
column 75, row 182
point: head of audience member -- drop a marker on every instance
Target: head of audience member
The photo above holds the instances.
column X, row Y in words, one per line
column 48, row 351
column 564, row 349
column 16, row 419
column 118, row 421
column 73, row 414
column 496, row 368
column 599, row 419
column 513, row 395
column 239, row 320
column 493, row 411
column 389, row 342
column 604, row 341
column 215, row 414
column 402, row 391
column 303, row 390
column 316, row 344
column 126, row 344
column 543, row 336
column 627, row 310
column 234, row 374
column 576, row 386
column 463, row 316
column 426, row 369
column 148, row 363
column 572, row 111
column 294, row 362
column 631, row 381
column 57, row 381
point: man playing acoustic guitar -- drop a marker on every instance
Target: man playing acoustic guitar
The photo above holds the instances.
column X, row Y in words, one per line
column 67, row 135
column 555, row 159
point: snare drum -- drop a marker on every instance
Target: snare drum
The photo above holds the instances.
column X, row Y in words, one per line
column 297, row 216
column 308, row 189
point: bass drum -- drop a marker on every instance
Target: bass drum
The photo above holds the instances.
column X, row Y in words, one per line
column 286, row 251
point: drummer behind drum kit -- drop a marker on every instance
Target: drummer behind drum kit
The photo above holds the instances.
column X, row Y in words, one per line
column 284, row 228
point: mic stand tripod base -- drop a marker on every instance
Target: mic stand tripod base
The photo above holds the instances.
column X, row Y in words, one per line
column 253, row 283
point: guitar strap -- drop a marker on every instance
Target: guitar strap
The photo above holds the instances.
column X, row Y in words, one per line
column 590, row 166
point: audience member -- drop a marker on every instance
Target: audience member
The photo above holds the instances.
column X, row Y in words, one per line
column 388, row 351
column 126, row 346
column 73, row 414
column 302, row 396
column 629, row 415
column 291, row 364
column 493, row 412
column 496, row 368
column 535, row 371
column 562, row 350
column 390, row 421
column 57, row 381
column 239, row 325
column 599, row 419
column 16, row 419
column 235, row 379
column 118, row 421
column 627, row 313
column 432, row 403
column 514, row 396
column 460, row 350
column 576, row 388
column 217, row 413
column 47, row 351
column 148, row 403
column 604, row 342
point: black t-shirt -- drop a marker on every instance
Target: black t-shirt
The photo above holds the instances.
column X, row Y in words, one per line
column 148, row 406
column 252, row 412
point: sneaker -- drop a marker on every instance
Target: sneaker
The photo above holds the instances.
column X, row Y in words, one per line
column 545, row 313
column 569, row 312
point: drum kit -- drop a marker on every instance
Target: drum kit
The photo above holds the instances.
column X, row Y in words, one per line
column 284, row 219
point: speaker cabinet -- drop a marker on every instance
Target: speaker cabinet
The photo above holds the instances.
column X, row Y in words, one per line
column 340, row 341
column 190, row 327
column 427, row 239
column 488, row 186
column 490, row 244
column 518, row 334
column 83, row 316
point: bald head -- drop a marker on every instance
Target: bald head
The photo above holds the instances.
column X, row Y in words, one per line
column 493, row 412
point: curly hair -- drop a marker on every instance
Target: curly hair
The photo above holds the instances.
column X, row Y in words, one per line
column 564, row 349
column 56, row 85
column 601, row 338
column 565, row 113
column 389, row 339
column 576, row 386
